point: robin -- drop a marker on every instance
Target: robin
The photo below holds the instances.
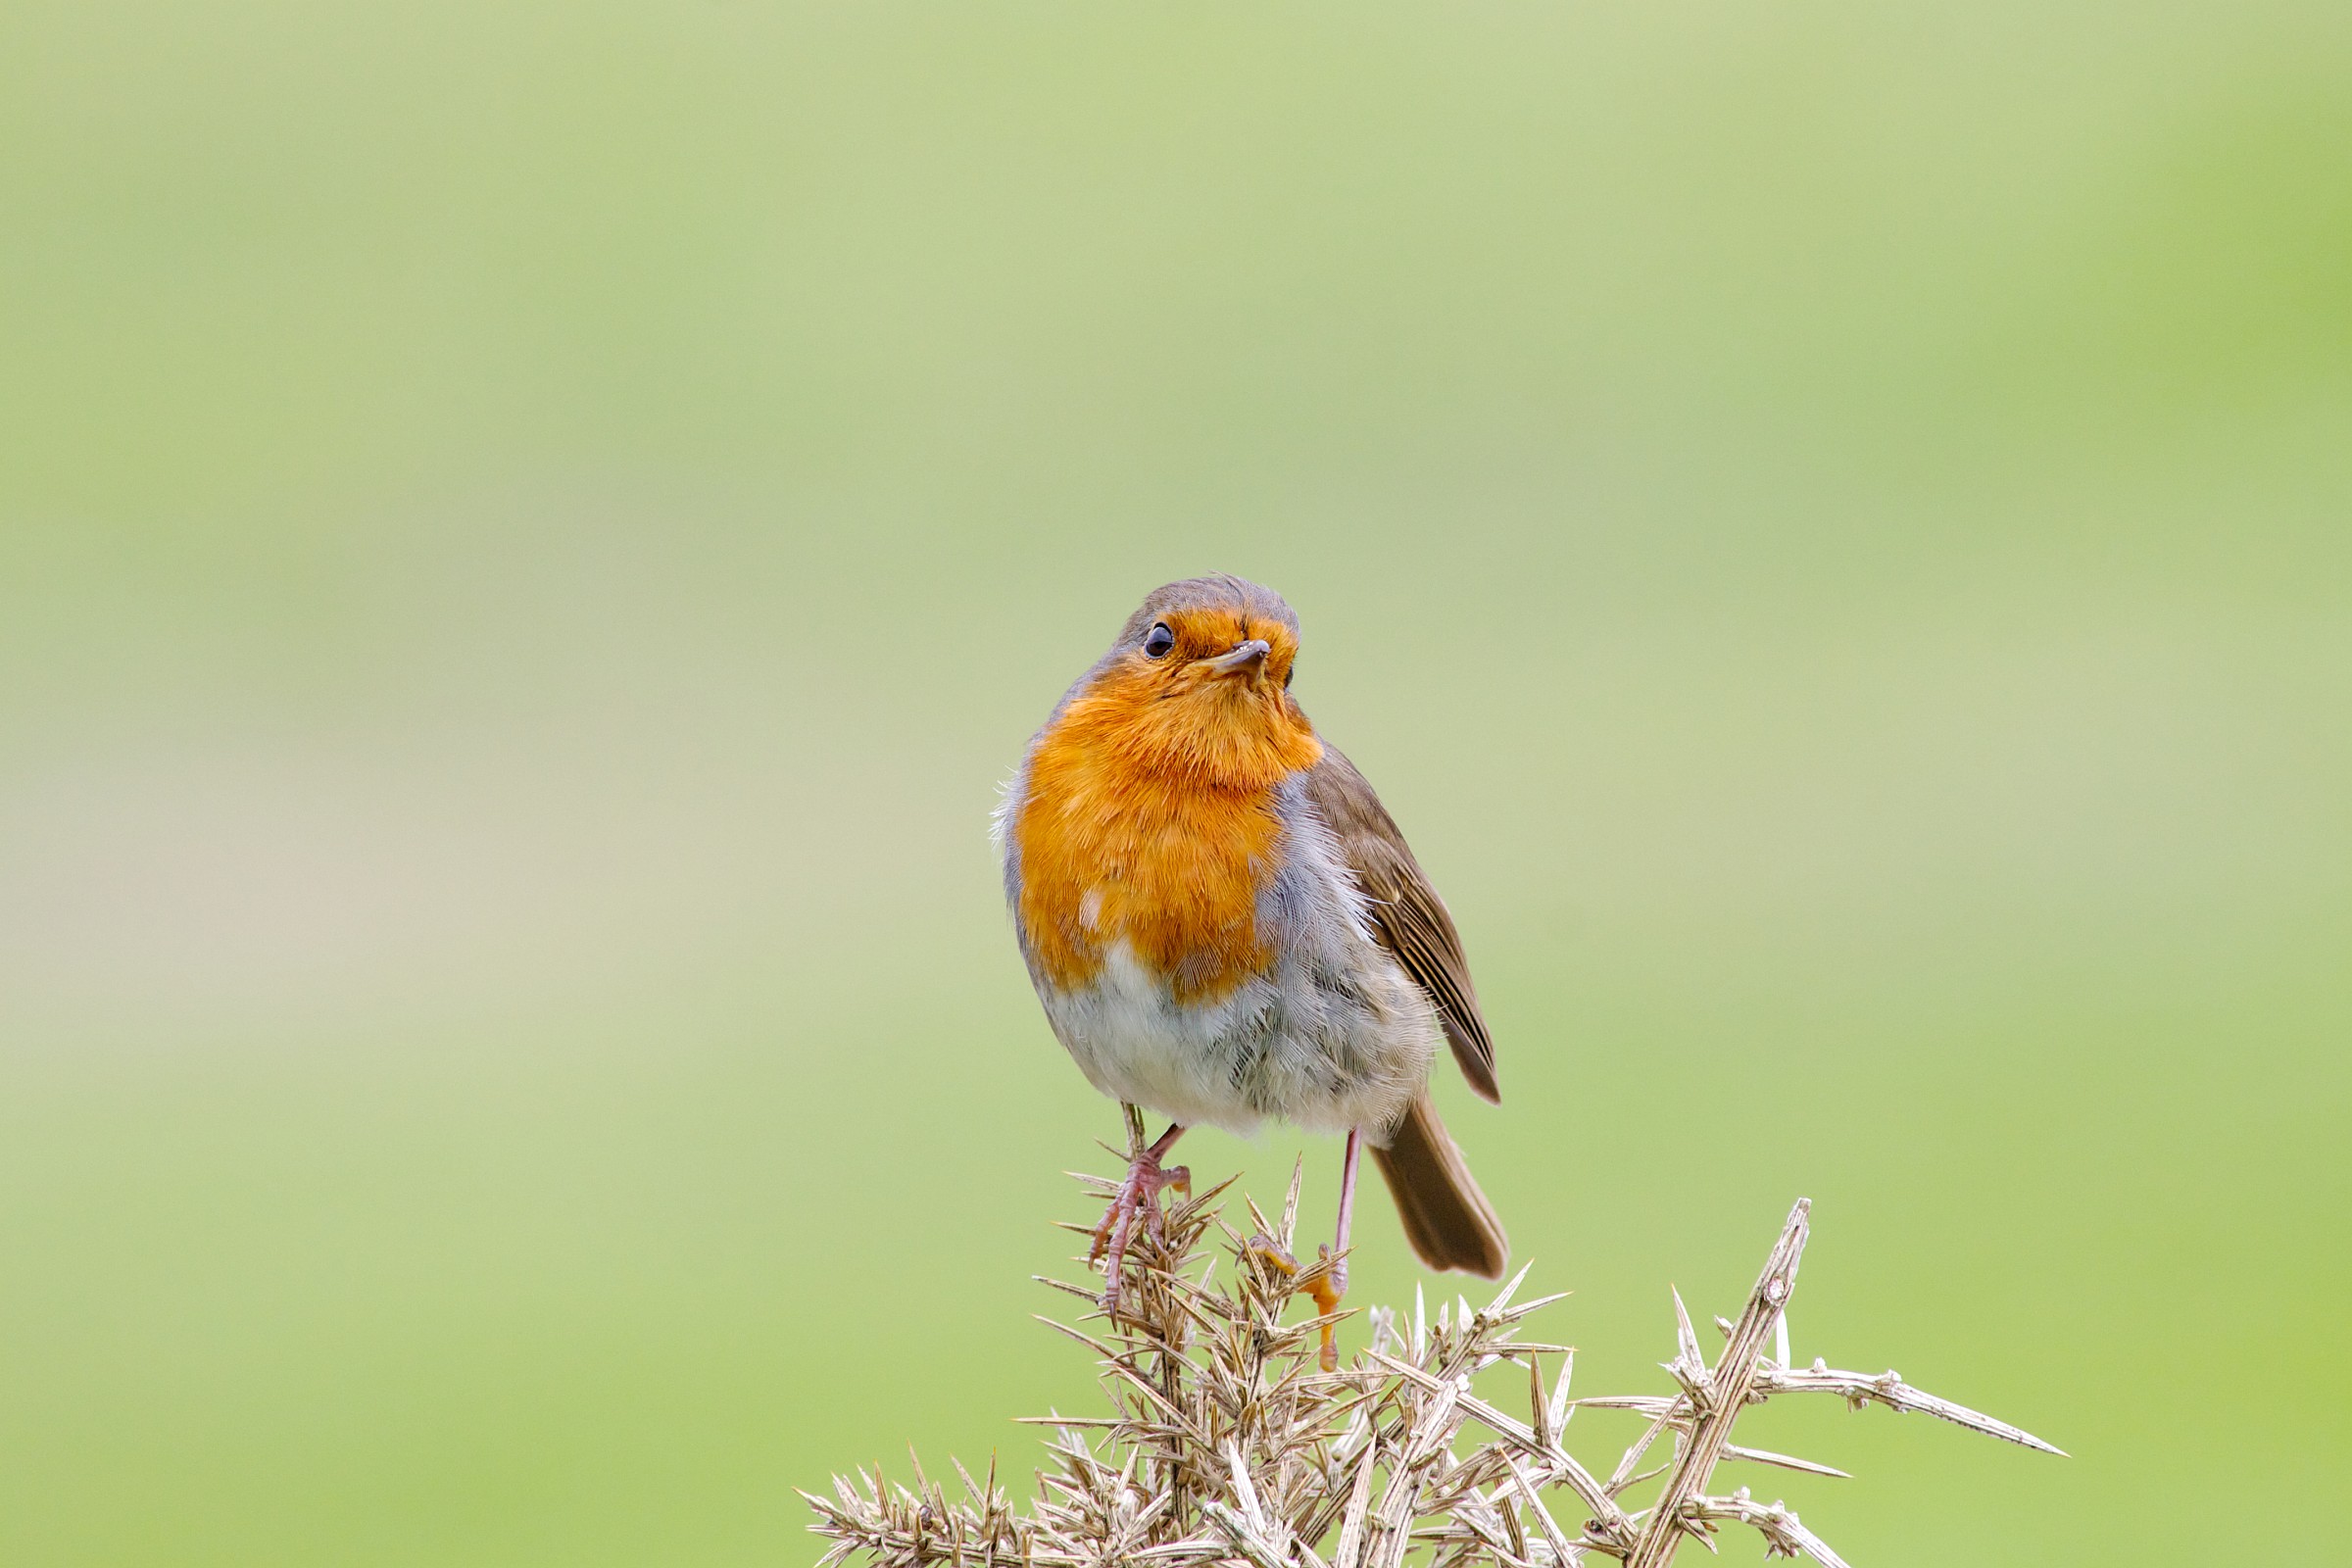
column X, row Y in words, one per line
column 1224, row 925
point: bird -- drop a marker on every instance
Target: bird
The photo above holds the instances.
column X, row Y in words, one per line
column 1224, row 925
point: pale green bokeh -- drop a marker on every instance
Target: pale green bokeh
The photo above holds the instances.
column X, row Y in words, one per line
column 529, row 535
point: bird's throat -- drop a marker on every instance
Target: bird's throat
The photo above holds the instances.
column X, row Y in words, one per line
column 1158, row 842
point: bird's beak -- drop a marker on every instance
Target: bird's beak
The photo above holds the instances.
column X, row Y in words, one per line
column 1247, row 659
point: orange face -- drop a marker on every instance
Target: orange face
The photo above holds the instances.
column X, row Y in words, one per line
column 1198, row 700
column 1148, row 815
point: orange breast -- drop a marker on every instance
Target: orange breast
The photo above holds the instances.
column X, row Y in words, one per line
column 1117, row 846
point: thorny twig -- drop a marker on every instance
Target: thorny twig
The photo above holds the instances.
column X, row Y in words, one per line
column 1226, row 1445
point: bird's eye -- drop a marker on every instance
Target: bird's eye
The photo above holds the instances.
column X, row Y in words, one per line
column 1159, row 640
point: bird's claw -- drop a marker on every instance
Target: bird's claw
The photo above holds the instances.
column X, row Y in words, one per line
column 1138, row 1194
column 1325, row 1284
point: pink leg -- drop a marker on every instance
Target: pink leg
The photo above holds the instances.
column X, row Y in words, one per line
column 1327, row 1290
column 1339, row 1267
column 1138, row 1195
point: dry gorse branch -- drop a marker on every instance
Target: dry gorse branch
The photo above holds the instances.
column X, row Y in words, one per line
column 1225, row 1444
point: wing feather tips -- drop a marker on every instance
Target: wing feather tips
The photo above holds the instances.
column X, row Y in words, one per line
column 1476, row 1059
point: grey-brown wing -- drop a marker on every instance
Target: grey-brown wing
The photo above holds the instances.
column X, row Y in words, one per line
column 1408, row 916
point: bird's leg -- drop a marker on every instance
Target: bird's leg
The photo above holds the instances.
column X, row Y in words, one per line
column 1138, row 1195
column 1328, row 1286
column 1339, row 1247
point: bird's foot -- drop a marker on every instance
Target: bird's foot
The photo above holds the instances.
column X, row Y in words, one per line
column 1325, row 1283
column 1138, row 1198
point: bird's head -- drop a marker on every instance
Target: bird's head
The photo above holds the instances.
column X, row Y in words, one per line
column 1198, row 683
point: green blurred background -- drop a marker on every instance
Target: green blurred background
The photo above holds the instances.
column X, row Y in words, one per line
column 529, row 535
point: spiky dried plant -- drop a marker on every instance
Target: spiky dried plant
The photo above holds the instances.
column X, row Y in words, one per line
column 1226, row 1443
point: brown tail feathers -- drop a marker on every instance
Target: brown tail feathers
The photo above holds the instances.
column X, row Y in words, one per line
column 1446, row 1218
